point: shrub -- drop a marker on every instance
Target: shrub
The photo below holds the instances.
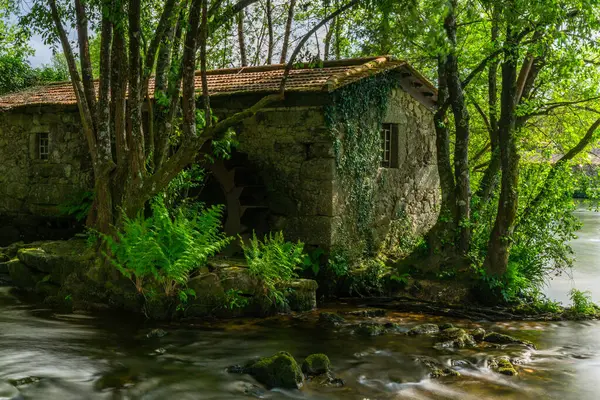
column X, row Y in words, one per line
column 274, row 261
column 582, row 304
column 161, row 251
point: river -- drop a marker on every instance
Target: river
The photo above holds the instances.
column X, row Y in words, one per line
column 110, row 357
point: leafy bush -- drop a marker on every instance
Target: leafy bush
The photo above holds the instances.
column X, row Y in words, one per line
column 274, row 261
column 161, row 251
column 582, row 304
column 78, row 206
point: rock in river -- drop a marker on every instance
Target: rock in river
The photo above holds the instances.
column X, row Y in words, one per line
column 280, row 370
column 316, row 364
column 499, row 338
column 424, row 329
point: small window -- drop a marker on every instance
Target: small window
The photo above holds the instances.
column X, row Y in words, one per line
column 389, row 146
column 43, row 146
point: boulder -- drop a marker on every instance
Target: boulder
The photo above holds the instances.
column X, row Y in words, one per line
column 316, row 364
column 37, row 258
column 424, row 329
column 22, row 276
column 456, row 337
column 4, row 257
column 370, row 329
column 437, row 370
column 445, row 326
column 280, row 370
column 210, row 295
column 328, row 318
column 239, row 278
column 478, row 334
column 503, row 366
column 301, row 294
column 499, row 338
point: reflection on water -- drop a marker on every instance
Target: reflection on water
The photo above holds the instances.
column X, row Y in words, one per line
column 586, row 272
column 81, row 357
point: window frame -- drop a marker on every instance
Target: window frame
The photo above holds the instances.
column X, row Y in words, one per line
column 389, row 145
column 43, row 146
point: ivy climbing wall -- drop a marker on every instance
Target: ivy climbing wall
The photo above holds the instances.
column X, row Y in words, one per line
column 381, row 209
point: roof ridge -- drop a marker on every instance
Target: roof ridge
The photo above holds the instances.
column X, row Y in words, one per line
column 334, row 80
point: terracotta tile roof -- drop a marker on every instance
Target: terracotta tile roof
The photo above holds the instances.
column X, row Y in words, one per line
column 264, row 79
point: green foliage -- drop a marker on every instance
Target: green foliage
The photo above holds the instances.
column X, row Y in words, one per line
column 274, row 261
column 234, row 299
column 78, row 206
column 354, row 119
column 177, row 190
column 339, row 262
column 582, row 305
column 312, row 261
column 160, row 252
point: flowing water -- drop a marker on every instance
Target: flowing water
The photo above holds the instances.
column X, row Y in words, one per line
column 53, row 356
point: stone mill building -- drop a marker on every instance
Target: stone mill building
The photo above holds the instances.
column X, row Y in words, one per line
column 347, row 160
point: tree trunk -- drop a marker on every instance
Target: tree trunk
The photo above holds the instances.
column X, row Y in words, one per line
column 241, row 38
column 288, row 31
column 271, row 43
column 461, row 149
column 496, row 262
column 327, row 41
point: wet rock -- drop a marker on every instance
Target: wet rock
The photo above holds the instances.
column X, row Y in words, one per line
column 316, row 364
column 370, row 329
column 156, row 333
column 301, row 294
column 38, row 259
column 503, row 366
column 367, row 313
column 252, row 390
column 328, row 380
column 445, row 326
column 4, row 257
column 436, row 368
column 9, row 392
column 424, row 329
column 328, row 318
column 478, row 334
column 499, row 338
column 280, row 370
column 22, row 276
column 456, row 337
column 210, row 295
column 24, row 381
column 119, row 378
column 240, row 279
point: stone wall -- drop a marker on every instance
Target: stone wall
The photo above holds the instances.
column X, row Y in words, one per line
column 32, row 189
column 294, row 152
column 406, row 199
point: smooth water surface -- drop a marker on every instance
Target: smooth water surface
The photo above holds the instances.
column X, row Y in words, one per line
column 110, row 357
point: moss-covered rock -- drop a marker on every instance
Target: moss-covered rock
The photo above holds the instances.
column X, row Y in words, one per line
column 503, row 366
column 4, row 257
column 301, row 294
column 446, row 325
column 478, row 334
column 367, row 313
column 424, row 329
column 456, row 337
column 499, row 338
column 316, row 364
column 328, row 318
column 370, row 329
column 22, row 276
column 280, row 370
column 437, row 370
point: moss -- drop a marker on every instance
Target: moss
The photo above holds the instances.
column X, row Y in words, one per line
column 370, row 329
column 331, row 318
column 424, row 329
column 316, row 364
column 503, row 366
column 458, row 337
column 478, row 334
column 499, row 338
column 280, row 370
column 445, row 326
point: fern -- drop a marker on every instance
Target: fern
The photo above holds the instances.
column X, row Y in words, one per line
column 164, row 249
column 274, row 261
